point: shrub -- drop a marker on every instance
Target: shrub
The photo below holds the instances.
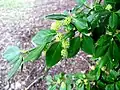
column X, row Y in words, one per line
column 95, row 30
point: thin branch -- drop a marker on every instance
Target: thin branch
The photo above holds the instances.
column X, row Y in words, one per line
column 87, row 6
column 37, row 79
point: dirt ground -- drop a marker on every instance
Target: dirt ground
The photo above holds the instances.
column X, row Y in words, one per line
column 17, row 27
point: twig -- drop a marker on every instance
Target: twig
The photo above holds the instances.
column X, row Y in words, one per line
column 36, row 80
column 86, row 6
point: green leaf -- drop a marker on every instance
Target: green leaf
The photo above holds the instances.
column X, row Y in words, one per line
column 94, row 74
column 110, row 87
column 117, row 85
column 104, row 40
column 88, row 45
column 99, row 8
column 43, row 36
column 52, row 87
column 68, row 83
column 104, row 60
column 53, row 55
column 116, row 52
column 82, row 87
column 74, row 46
column 93, row 20
column 118, row 36
column 100, row 51
column 11, row 53
column 34, row 54
column 56, row 16
column 63, row 86
column 88, row 86
column 101, row 84
column 81, row 24
column 113, row 74
column 118, row 13
column 113, row 21
column 14, row 68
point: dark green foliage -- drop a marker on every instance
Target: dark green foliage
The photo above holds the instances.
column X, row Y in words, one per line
column 56, row 16
column 74, row 47
column 53, row 55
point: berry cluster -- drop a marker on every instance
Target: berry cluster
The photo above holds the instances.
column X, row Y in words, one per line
column 65, row 45
column 56, row 25
column 67, row 21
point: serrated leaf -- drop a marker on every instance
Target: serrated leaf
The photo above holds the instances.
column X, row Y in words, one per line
column 43, row 36
column 34, row 54
column 113, row 21
column 56, row 16
column 81, row 24
column 53, row 55
column 11, row 53
column 74, row 46
column 88, row 45
column 14, row 68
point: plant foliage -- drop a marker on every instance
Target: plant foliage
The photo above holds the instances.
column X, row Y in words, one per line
column 95, row 30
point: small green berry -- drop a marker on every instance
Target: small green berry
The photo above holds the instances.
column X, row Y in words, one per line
column 59, row 37
column 65, row 44
column 56, row 25
column 64, row 53
column 67, row 21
